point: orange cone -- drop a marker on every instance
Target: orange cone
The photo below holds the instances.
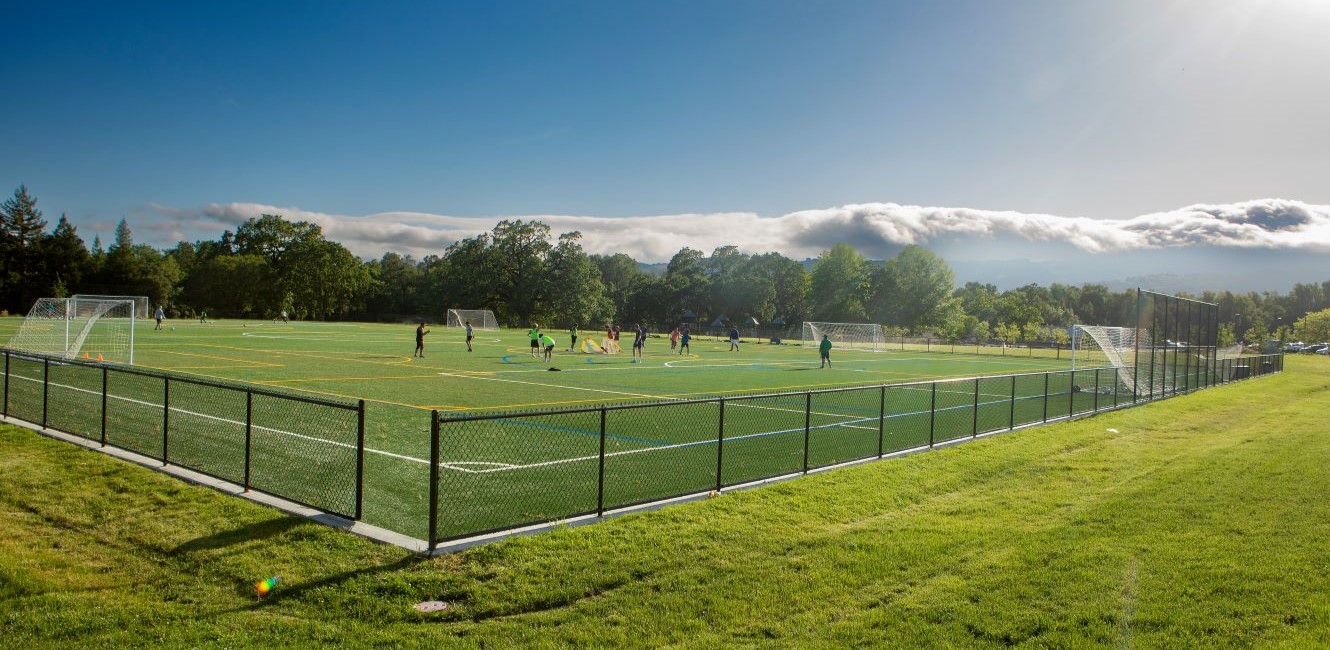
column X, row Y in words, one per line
column 85, row 355
column 99, row 357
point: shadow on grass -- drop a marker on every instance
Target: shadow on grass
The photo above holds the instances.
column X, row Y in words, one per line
column 297, row 592
column 259, row 530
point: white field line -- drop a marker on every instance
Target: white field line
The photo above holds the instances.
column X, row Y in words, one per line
column 239, row 423
column 536, row 383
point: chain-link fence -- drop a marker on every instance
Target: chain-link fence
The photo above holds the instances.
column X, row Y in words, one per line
column 310, row 451
column 502, row 471
column 455, row 476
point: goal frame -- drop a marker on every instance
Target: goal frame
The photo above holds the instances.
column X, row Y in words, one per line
column 458, row 317
column 81, row 311
column 869, row 335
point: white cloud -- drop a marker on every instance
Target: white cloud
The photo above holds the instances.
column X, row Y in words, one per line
column 874, row 228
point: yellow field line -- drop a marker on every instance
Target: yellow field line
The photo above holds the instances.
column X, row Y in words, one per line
column 405, row 360
column 211, row 356
column 297, row 381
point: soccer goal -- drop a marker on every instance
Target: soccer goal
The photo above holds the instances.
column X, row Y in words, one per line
column 99, row 328
column 857, row 336
column 481, row 319
column 1099, row 346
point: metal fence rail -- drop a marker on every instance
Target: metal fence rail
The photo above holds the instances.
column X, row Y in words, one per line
column 306, row 450
column 501, row 471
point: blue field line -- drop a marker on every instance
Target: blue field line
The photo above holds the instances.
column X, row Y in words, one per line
column 586, row 432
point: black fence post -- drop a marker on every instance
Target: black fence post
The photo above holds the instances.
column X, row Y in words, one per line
column 166, row 416
column 433, row 479
column 974, row 419
column 104, row 373
column 1046, row 397
column 46, row 387
column 600, row 473
column 808, row 415
column 1011, row 408
column 6, row 407
column 1096, row 390
column 932, row 414
column 249, row 433
column 720, row 445
column 881, row 418
column 360, row 460
column 1071, row 395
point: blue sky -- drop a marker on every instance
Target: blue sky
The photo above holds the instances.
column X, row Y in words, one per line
column 186, row 116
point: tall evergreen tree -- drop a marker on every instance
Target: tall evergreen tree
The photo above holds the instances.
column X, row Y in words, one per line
column 21, row 230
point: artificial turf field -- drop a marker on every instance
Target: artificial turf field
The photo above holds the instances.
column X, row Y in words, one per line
column 506, row 471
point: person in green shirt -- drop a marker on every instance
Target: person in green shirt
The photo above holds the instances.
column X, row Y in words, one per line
column 572, row 332
column 549, row 345
column 534, row 333
column 825, row 348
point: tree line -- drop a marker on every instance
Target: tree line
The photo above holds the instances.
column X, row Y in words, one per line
column 526, row 273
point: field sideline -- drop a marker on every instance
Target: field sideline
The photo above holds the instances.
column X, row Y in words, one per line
column 374, row 362
column 1196, row 521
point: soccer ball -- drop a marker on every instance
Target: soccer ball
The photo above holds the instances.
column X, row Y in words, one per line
column 172, row 329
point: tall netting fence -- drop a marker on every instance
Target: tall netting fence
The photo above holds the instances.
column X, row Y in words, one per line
column 1177, row 347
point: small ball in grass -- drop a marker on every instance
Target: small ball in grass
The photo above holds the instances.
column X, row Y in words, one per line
column 173, row 329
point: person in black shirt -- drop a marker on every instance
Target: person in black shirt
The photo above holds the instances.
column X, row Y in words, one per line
column 420, row 340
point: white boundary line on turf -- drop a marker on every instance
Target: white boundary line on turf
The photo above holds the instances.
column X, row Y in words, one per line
column 536, row 383
column 449, row 465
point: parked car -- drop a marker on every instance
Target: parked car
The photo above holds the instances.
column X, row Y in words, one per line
column 1325, row 349
column 1315, row 348
column 1295, row 346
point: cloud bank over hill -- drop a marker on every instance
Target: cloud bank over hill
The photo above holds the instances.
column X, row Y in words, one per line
column 876, row 229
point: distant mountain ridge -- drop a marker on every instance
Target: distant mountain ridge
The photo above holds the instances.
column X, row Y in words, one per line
column 1246, row 274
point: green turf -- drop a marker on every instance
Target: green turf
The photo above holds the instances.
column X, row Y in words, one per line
column 1193, row 522
column 519, row 469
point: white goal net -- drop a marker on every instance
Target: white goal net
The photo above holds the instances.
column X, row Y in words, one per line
column 481, row 319
column 142, row 308
column 1099, row 346
column 856, row 336
column 79, row 327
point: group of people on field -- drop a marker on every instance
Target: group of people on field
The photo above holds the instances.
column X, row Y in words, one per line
column 543, row 344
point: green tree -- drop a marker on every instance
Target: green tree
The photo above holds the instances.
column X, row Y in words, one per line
column 576, row 294
column 689, row 284
column 65, row 258
column 517, row 262
column 731, row 287
column 323, row 278
column 839, row 285
column 1313, row 327
column 223, row 285
column 620, row 274
column 914, row 290
column 21, row 231
column 397, row 279
column 978, row 300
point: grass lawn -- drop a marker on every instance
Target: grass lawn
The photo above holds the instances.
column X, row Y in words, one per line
column 1199, row 521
